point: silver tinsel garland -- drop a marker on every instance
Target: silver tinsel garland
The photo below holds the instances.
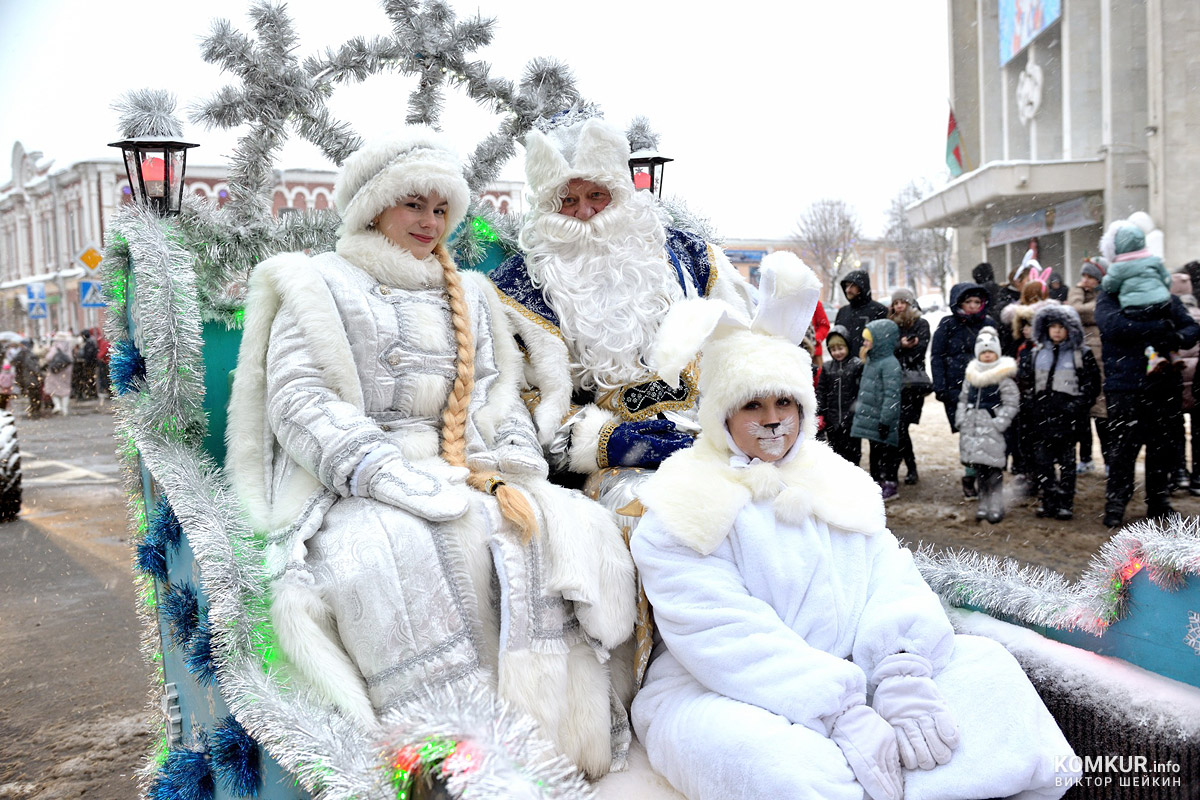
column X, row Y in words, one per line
column 1038, row 596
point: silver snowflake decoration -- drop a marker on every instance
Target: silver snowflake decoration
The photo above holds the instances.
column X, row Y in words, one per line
column 1192, row 637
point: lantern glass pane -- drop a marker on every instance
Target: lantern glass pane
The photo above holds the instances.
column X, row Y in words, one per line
column 133, row 171
column 178, row 158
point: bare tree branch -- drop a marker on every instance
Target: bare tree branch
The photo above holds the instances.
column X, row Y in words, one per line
column 826, row 235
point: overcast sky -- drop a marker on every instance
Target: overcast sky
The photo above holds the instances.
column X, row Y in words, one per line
column 766, row 106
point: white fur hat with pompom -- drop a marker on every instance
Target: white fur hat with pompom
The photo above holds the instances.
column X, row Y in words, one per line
column 417, row 161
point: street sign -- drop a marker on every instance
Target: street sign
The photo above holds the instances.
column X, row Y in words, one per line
column 90, row 257
column 35, row 300
column 90, row 294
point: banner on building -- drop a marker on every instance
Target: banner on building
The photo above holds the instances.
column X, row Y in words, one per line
column 955, row 159
column 1021, row 21
column 1077, row 213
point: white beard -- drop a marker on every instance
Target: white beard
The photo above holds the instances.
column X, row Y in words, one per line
column 610, row 284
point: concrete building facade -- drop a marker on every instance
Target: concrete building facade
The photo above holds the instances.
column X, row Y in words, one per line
column 1079, row 119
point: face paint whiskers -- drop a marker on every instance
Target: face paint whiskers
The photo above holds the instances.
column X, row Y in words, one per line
column 772, row 438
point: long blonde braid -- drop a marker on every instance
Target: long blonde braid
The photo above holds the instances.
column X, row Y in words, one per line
column 513, row 504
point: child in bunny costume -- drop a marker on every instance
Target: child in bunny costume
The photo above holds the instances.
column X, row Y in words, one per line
column 801, row 653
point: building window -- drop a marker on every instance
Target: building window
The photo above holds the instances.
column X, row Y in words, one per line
column 893, row 273
column 73, row 229
column 865, row 265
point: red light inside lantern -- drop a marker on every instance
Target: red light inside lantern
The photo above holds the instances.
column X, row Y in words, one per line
column 153, row 172
column 641, row 180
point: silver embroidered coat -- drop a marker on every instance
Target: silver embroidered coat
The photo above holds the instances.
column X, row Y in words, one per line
column 371, row 604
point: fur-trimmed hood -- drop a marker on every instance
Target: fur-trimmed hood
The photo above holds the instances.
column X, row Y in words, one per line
column 981, row 374
column 1063, row 315
column 698, row 493
column 1017, row 315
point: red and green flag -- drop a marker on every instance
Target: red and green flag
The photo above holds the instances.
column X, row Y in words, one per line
column 955, row 158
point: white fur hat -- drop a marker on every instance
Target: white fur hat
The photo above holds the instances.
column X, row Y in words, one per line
column 741, row 358
column 592, row 149
column 418, row 160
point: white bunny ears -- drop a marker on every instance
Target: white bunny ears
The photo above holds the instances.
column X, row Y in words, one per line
column 788, row 294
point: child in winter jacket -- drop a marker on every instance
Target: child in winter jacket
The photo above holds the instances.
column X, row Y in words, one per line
column 837, row 394
column 987, row 405
column 1059, row 381
column 1135, row 275
column 877, row 415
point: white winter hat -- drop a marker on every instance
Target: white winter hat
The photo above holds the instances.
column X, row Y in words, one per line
column 743, row 359
column 988, row 341
column 579, row 147
column 418, row 160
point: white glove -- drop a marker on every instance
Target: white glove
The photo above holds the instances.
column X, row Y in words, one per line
column 869, row 745
column 434, row 491
column 910, row 701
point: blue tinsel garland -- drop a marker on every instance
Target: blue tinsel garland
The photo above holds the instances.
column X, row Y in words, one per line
column 199, row 659
column 126, row 367
column 186, row 775
column 182, row 610
column 164, row 525
column 152, row 558
column 235, row 758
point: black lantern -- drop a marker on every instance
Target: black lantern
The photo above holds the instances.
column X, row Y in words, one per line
column 646, row 169
column 155, row 166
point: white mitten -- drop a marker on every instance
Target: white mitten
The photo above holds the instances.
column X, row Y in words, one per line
column 910, row 701
column 434, row 491
column 869, row 745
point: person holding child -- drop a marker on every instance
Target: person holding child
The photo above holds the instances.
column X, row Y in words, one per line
column 1059, row 381
column 1143, row 391
column 801, row 653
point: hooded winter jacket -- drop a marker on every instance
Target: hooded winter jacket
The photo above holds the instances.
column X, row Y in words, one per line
column 879, row 392
column 1125, row 335
column 855, row 315
column 987, row 405
column 1135, row 275
column 953, row 344
column 837, row 388
column 1058, row 382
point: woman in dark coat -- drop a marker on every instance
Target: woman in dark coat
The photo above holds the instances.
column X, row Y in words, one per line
column 914, row 344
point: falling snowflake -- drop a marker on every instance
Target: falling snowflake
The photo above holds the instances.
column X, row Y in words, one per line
column 1192, row 637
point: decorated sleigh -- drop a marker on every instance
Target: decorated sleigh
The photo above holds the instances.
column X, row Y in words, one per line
column 227, row 721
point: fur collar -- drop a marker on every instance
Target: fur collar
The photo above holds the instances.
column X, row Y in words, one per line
column 981, row 374
column 699, row 495
column 394, row 266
